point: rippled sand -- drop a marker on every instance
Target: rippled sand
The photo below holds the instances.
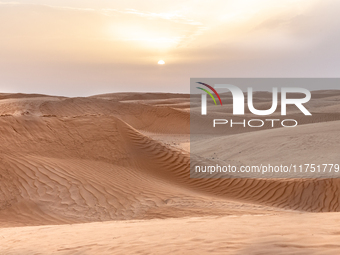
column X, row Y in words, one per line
column 116, row 167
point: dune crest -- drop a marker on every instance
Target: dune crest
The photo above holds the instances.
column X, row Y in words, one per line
column 120, row 157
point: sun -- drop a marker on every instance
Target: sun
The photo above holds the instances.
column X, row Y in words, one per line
column 161, row 62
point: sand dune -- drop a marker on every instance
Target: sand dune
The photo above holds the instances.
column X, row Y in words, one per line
column 125, row 157
column 282, row 233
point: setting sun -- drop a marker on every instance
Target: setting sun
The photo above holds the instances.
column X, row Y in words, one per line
column 161, row 62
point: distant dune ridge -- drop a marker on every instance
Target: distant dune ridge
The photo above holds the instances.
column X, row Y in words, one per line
column 125, row 156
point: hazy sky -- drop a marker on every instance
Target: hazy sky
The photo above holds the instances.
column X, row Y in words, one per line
column 84, row 47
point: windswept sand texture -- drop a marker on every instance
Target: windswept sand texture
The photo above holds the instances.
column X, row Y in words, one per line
column 117, row 167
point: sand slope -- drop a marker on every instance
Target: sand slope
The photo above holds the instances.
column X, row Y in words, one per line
column 247, row 234
column 126, row 157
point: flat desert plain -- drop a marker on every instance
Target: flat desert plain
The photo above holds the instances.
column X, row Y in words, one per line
column 109, row 174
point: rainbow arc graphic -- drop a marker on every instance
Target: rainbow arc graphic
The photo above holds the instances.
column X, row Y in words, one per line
column 209, row 93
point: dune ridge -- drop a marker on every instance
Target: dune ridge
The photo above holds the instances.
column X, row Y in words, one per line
column 110, row 174
column 112, row 157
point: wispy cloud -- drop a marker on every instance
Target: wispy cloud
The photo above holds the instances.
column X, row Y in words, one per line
column 173, row 16
column 121, row 41
column 3, row 3
column 180, row 35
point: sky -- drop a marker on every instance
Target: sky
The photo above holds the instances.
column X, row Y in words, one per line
column 87, row 47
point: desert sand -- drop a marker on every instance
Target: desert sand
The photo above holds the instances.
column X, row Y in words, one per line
column 109, row 174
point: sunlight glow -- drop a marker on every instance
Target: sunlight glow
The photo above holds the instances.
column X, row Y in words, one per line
column 145, row 36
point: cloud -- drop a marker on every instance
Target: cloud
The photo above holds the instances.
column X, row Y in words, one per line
column 100, row 48
column 173, row 16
